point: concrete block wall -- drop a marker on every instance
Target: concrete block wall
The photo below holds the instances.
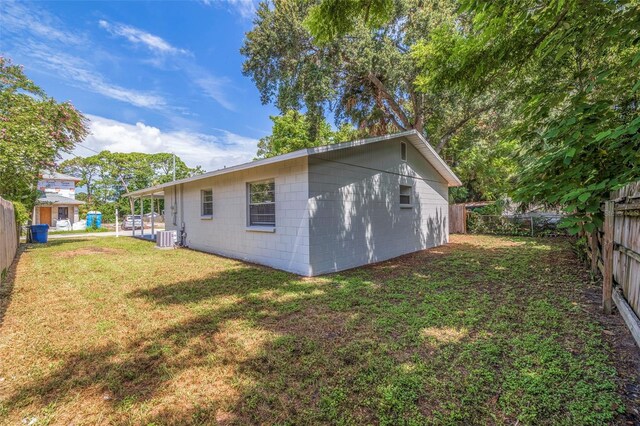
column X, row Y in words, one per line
column 355, row 215
column 227, row 232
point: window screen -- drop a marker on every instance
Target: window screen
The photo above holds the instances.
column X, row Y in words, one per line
column 403, row 151
column 262, row 203
column 206, row 198
column 405, row 195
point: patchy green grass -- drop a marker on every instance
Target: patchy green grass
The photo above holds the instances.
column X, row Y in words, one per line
column 486, row 330
column 53, row 231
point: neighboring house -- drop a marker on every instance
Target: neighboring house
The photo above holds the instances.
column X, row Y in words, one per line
column 317, row 210
column 57, row 200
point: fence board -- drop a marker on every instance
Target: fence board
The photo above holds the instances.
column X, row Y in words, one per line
column 457, row 219
column 8, row 234
column 626, row 265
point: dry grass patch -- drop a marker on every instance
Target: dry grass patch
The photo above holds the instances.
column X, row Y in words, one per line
column 484, row 330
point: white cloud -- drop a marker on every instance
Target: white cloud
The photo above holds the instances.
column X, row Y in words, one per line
column 211, row 86
column 15, row 18
column 211, row 151
column 245, row 8
column 80, row 73
column 138, row 36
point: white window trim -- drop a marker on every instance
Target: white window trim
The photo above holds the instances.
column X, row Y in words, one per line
column 410, row 205
column 403, row 145
column 259, row 228
column 206, row 216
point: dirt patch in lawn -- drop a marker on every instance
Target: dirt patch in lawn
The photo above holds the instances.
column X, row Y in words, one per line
column 88, row 251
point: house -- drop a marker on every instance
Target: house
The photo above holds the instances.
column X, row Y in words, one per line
column 57, row 200
column 317, row 210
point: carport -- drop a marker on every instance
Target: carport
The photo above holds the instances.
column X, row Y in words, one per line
column 146, row 194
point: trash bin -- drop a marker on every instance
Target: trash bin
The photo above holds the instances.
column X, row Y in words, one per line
column 39, row 233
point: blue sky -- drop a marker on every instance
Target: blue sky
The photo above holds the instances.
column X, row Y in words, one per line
column 151, row 76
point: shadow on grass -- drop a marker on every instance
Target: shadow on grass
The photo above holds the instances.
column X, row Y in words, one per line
column 408, row 340
column 7, row 284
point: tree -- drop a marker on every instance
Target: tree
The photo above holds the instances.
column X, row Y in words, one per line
column 34, row 131
column 293, row 131
column 85, row 168
column 110, row 175
column 571, row 70
column 366, row 76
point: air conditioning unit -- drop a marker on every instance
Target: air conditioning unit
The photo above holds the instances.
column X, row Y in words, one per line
column 166, row 239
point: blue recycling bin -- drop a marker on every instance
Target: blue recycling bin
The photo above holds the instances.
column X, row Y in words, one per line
column 39, row 233
column 94, row 217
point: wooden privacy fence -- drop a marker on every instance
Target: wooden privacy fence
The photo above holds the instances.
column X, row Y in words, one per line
column 8, row 235
column 457, row 219
column 614, row 250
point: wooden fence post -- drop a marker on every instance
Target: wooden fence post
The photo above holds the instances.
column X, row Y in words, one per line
column 594, row 251
column 607, row 256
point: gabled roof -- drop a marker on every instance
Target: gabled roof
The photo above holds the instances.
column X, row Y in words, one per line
column 47, row 174
column 416, row 139
column 50, row 198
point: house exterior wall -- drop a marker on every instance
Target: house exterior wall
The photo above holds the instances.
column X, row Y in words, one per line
column 74, row 215
column 65, row 188
column 227, row 232
column 355, row 215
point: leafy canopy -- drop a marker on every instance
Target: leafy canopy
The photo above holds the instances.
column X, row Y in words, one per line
column 355, row 58
column 34, row 131
column 572, row 71
column 293, row 131
column 109, row 175
column 315, row 56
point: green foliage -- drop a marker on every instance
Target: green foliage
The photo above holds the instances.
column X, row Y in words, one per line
column 570, row 71
column 331, row 18
column 318, row 55
column 293, row 131
column 21, row 213
column 34, row 130
column 486, row 164
column 109, row 175
column 355, row 58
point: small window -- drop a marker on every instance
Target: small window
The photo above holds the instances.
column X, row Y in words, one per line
column 262, row 203
column 63, row 213
column 206, row 202
column 405, row 195
column 403, row 151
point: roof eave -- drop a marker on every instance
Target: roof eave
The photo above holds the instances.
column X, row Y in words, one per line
column 442, row 168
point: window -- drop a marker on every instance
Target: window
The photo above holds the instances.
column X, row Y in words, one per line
column 262, row 203
column 403, row 151
column 405, row 195
column 63, row 213
column 206, row 202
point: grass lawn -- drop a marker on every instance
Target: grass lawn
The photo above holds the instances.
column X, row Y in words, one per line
column 53, row 231
column 486, row 330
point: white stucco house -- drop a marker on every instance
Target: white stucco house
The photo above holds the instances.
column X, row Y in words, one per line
column 57, row 200
column 317, row 210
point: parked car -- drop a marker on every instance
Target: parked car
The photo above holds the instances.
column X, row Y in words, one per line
column 130, row 222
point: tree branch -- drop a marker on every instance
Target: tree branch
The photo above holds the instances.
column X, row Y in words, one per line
column 446, row 137
column 392, row 103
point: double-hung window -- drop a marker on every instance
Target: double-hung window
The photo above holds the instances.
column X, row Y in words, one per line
column 262, row 203
column 206, row 203
column 405, row 196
